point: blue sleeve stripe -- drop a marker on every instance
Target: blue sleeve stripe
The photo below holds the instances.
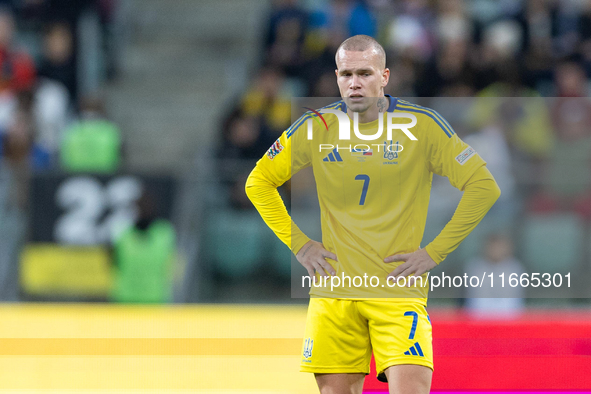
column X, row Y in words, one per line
column 305, row 116
column 333, row 105
column 432, row 116
column 446, row 123
column 435, row 113
column 295, row 123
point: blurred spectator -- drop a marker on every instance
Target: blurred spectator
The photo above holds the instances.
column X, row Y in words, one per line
column 244, row 140
column 346, row 18
column 536, row 22
column 58, row 61
column 361, row 20
column 20, row 145
column 495, row 302
column 243, row 137
column 52, row 112
column 18, row 138
column 566, row 24
column 323, row 60
column 567, row 180
column 144, row 255
column 286, row 36
column 408, row 38
column 17, row 70
column 449, row 74
column 585, row 35
column 568, row 170
column 331, row 22
column 108, row 11
column 21, row 154
column 17, row 67
column 266, row 99
column 570, row 78
column 404, row 72
column 498, row 57
column 517, row 110
column 453, row 22
column 326, row 86
column 93, row 143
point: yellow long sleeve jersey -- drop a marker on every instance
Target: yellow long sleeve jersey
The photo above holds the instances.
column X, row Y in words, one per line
column 373, row 195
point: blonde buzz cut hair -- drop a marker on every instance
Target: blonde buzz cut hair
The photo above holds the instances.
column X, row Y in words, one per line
column 361, row 43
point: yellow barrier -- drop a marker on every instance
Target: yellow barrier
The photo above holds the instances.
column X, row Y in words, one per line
column 48, row 269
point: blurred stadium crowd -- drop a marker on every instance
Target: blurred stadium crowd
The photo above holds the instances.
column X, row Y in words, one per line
column 517, row 73
column 48, row 91
column 56, row 57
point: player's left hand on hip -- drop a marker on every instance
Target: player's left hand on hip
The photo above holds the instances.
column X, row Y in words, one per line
column 415, row 264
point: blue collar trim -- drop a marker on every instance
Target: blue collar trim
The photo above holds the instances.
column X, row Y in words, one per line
column 393, row 102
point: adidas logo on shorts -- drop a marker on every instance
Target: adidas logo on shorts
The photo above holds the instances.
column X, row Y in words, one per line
column 415, row 350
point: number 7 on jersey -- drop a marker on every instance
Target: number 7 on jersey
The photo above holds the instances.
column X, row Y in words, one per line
column 365, row 179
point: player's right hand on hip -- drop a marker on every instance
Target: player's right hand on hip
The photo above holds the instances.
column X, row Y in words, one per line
column 313, row 257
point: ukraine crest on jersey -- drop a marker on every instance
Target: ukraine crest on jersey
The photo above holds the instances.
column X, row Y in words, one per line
column 373, row 195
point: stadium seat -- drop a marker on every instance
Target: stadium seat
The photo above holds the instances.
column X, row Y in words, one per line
column 432, row 229
column 553, row 243
column 473, row 246
column 234, row 241
column 308, row 220
column 280, row 256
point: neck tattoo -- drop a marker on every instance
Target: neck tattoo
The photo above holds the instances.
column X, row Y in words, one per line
column 382, row 104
